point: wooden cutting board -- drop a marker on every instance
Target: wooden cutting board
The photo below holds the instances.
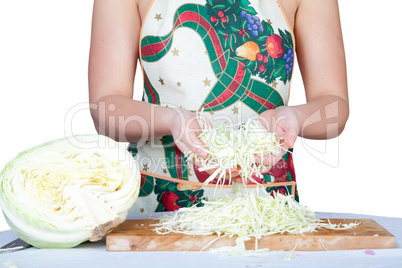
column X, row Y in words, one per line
column 137, row 235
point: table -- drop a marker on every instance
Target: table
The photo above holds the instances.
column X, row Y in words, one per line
column 94, row 254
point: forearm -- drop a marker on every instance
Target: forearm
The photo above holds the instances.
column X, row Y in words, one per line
column 322, row 118
column 124, row 119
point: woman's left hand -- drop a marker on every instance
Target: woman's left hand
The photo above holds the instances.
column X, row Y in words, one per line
column 284, row 121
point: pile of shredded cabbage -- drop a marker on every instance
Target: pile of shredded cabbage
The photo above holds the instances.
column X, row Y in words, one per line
column 235, row 148
column 245, row 216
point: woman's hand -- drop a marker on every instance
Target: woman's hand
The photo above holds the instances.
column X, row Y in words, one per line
column 184, row 127
column 285, row 122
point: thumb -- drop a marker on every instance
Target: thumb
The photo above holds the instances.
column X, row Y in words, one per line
column 290, row 134
column 290, row 140
column 187, row 148
column 193, row 142
column 197, row 146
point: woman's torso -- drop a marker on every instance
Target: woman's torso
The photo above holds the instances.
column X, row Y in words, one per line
column 236, row 82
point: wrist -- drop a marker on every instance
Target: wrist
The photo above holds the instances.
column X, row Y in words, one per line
column 318, row 114
column 298, row 114
column 166, row 117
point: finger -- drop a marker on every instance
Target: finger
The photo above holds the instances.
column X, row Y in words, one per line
column 205, row 121
column 196, row 161
column 290, row 135
column 202, row 152
column 237, row 179
column 289, row 130
column 186, row 149
column 280, row 131
column 193, row 142
column 182, row 147
column 196, row 145
column 290, row 139
column 232, row 174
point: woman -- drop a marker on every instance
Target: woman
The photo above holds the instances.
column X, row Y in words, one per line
column 232, row 58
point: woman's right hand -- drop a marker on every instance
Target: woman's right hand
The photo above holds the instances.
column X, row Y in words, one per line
column 184, row 127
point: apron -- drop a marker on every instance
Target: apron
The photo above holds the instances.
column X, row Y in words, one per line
column 231, row 58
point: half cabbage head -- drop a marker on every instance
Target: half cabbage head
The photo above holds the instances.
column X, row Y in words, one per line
column 67, row 191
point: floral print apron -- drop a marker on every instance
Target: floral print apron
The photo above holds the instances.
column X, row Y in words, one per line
column 231, row 58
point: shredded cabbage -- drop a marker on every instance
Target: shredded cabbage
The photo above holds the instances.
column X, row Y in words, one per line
column 58, row 194
column 245, row 216
column 230, row 147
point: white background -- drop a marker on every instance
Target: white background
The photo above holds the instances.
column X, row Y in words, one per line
column 44, row 47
